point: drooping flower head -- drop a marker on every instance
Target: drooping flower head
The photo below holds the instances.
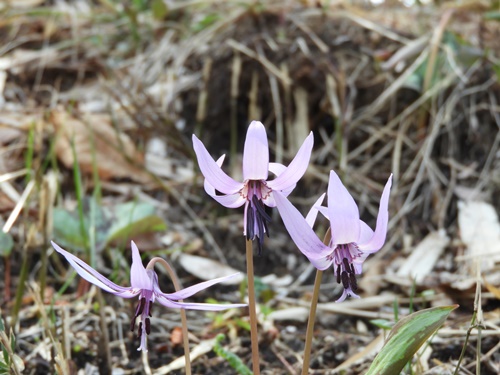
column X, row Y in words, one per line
column 256, row 191
column 352, row 240
column 144, row 284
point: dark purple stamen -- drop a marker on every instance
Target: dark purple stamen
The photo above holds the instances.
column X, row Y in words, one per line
column 140, row 308
column 150, row 307
column 345, row 279
column 347, row 275
column 257, row 217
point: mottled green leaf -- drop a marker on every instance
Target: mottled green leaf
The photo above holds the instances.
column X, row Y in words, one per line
column 120, row 222
column 6, row 243
column 382, row 323
column 133, row 218
column 406, row 337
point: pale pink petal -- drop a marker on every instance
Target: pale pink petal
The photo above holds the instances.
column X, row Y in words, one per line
column 322, row 263
column 366, row 233
column 94, row 277
column 188, row 292
column 378, row 238
column 296, row 168
column 300, row 231
column 212, row 172
column 345, row 293
column 255, row 153
column 358, row 263
column 324, row 211
column 276, row 168
column 343, row 212
column 230, row 201
column 139, row 278
column 198, row 306
column 313, row 212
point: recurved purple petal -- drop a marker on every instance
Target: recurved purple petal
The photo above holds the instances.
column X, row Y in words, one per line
column 231, row 200
column 300, row 231
column 378, row 238
column 296, row 168
column 255, row 153
column 278, row 169
column 313, row 212
column 139, row 278
column 365, row 233
column 322, row 263
column 189, row 291
column 92, row 276
column 212, row 172
column 197, row 306
column 343, row 212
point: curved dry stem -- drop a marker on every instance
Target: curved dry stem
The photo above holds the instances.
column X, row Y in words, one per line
column 177, row 285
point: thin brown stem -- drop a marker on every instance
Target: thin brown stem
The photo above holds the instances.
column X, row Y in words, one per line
column 312, row 314
column 177, row 286
column 310, row 322
column 253, row 311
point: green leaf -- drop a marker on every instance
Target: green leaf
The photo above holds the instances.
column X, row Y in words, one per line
column 6, row 244
column 159, row 9
column 407, row 336
column 233, row 360
column 120, row 222
column 133, row 218
column 382, row 323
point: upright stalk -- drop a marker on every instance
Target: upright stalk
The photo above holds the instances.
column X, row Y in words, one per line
column 310, row 322
column 312, row 313
column 177, row 286
column 253, row 310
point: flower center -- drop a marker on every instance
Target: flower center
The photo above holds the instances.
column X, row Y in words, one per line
column 256, row 220
column 342, row 258
column 143, row 311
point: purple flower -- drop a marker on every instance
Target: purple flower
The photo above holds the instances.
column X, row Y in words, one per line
column 144, row 283
column 352, row 240
column 256, row 190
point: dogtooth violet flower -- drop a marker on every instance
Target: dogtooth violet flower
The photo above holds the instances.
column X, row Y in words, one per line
column 144, row 284
column 256, row 190
column 352, row 240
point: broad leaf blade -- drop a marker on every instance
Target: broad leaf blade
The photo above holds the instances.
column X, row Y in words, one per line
column 407, row 336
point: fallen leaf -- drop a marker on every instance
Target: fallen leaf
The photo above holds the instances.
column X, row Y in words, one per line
column 207, row 269
column 114, row 151
column 480, row 232
column 298, row 314
column 425, row 255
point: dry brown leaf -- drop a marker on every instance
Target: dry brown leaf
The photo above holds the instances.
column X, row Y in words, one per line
column 114, row 150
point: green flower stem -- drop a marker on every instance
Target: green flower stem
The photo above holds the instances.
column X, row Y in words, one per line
column 177, row 285
column 253, row 311
column 312, row 314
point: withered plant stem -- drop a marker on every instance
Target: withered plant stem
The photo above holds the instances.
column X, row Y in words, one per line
column 254, row 336
column 312, row 314
column 177, row 286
